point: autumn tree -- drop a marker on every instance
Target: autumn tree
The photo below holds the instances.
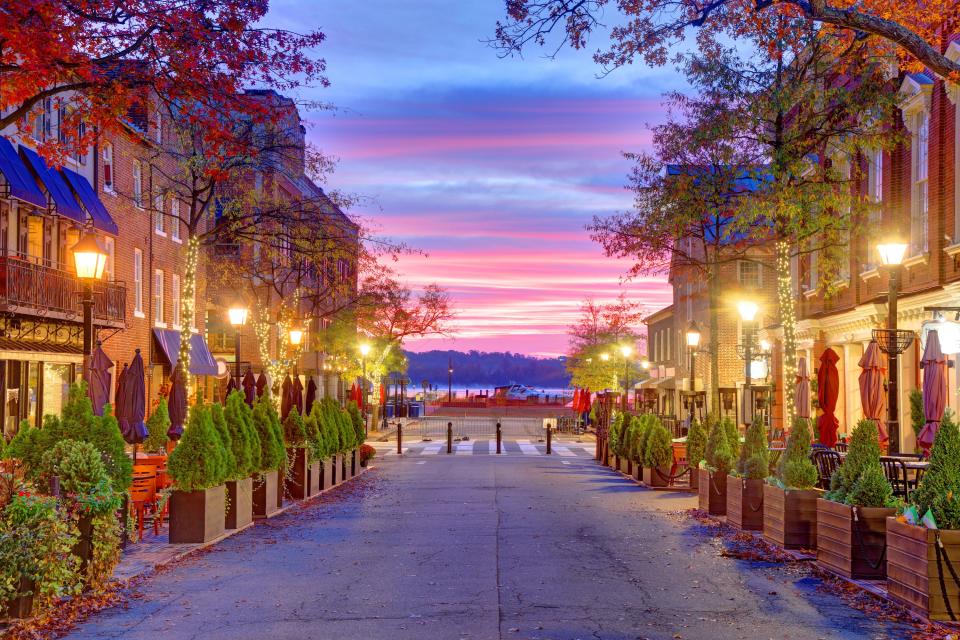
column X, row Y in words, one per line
column 594, row 360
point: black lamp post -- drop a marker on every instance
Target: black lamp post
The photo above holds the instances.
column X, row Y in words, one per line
column 891, row 341
column 89, row 259
column 238, row 317
column 748, row 312
column 693, row 343
column 450, row 379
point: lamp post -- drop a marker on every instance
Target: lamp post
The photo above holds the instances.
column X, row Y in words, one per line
column 891, row 255
column 238, row 317
column 693, row 342
column 89, row 259
column 748, row 312
column 450, row 379
column 626, row 350
column 364, row 350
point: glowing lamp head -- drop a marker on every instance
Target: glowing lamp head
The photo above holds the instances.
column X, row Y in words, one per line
column 693, row 335
column 765, row 345
column 89, row 257
column 748, row 310
column 891, row 253
column 364, row 349
column 604, row 356
column 645, row 363
column 626, row 350
column 238, row 315
column 296, row 337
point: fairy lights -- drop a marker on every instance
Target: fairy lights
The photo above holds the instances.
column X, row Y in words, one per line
column 788, row 319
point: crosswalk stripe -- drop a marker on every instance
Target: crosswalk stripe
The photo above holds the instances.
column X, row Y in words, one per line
column 464, row 449
column 431, row 450
column 528, row 449
column 563, row 451
column 492, row 446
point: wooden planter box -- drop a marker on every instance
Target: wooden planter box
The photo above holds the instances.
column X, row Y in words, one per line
column 265, row 494
column 22, row 607
column 659, row 477
column 281, row 486
column 354, row 462
column 624, row 466
column 313, row 478
column 790, row 517
column 851, row 547
column 745, row 503
column 326, row 473
column 298, row 483
column 695, row 478
column 239, row 503
column 712, row 492
column 913, row 577
column 638, row 472
column 338, row 475
column 197, row 516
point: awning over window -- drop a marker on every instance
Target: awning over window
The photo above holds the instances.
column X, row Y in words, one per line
column 88, row 197
column 22, row 185
column 202, row 362
column 56, row 186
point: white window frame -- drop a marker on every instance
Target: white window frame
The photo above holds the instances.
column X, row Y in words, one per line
column 138, row 283
column 138, row 184
column 158, row 298
column 915, row 100
column 107, row 156
column 175, row 300
column 158, row 123
column 110, row 268
column 159, row 222
column 175, row 220
column 740, row 265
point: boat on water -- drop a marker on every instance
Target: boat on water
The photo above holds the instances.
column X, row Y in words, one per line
column 516, row 392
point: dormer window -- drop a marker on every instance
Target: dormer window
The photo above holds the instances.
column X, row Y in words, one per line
column 915, row 95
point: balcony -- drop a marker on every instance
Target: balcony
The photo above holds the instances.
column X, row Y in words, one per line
column 31, row 289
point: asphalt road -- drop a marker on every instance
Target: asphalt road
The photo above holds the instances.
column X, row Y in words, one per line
column 481, row 547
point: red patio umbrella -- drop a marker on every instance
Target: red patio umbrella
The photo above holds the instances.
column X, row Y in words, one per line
column 872, row 398
column 801, row 392
column 934, row 389
column 231, row 387
column 828, row 390
column 577, row 399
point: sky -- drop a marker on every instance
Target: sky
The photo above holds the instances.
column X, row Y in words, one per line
column 492, row 167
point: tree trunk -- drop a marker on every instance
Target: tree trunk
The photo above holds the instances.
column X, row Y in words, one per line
column 713, row 290
column 788, row 320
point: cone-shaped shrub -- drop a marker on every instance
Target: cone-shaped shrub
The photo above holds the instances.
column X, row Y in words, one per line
column 733, row 435
column 872, row 489
column 795, row 470
column 26, row 447
column 863, row 453
column 157, row 425
column 245, row 442
column 347, row 435
column 719, row 455
column 630, row 439
column 197, row 461
column 939, row 490
column 219, row 419
column 659, row 447
column 754, row 460
column 644, row 424
column 356, row 418
column 267, row 423
column 294, row 430
column 312, row 430
column 613, row 433
column 696, row 444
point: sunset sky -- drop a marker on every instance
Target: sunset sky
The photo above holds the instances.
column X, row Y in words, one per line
column 491, row 166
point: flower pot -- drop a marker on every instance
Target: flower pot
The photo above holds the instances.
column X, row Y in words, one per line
column 339, row 474
column 852, row 547
column 197, row 516
column 656, row 476
column 745, row 503
column 298, row 483
column 239, row 503
column 265, row 494
column 790, row 517
column 22, row 606
column 313, row 478
column 712, row 492
column 326, row 473
column 915, row 578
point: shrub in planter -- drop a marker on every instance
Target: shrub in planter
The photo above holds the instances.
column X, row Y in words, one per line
column 643, row 425
column 356, row 419
column 273, row 456
column 696, row 450
column 295, row 436
column 219, row 420
column 157, row 425
column 789, row 499
column 237, row 430
column 745, row 485
column 919, row 559
column 657, row 455
column 719, row 460
column 613, row 437
column 197, row 468
column 243, row 435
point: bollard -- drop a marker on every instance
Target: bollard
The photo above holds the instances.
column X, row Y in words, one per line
column 549, row 439
column 449, row 437
column 399, row 438
column 499, row 438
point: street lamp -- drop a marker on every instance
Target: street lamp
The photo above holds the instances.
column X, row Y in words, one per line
column 693, row 343
column 891, row 341
column 748, row 312
column 89, row 259
column 605, row 356
column 450, row 379
column 238, row 317
column 296, row 337
column 645, row 364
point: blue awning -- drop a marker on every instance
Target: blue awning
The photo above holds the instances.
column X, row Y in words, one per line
column 56, row 186
column 202, row 362
column 22, row 185
column 88, row 197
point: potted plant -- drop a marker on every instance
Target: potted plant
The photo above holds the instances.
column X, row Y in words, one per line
column 657, row 455
column 613, row 440
column 266, row 484
column 719, row 460
column 245, row 446
column 347, row 442
column 696, row 451
column 295, row 437
column 636, row 433
column 313, row 460
column 359, row 434
column 157, row 425
column 320, row 446
column 745, row 486
column 852, row 515
column 789, row 497
column 367, row 453
column 923, row 560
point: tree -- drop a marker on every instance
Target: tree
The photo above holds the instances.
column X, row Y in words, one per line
column 648, row 30
column 98, row 58
column 601, row 330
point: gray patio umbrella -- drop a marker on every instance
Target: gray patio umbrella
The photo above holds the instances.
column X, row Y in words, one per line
column 177, row 403
column 134, row 402
column 98, row 385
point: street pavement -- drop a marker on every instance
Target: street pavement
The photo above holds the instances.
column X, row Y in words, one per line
column 482, row 547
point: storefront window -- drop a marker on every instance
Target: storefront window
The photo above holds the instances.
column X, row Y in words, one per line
column 56, row 384
column 33, row 390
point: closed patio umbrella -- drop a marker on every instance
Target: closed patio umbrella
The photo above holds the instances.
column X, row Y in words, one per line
column 134, row 403
column 231, row 387
column 801, row 393
column 249, row 385
column 177, row 403
column 298, row 394
column 286, row 397
column 873, row 400
column 934, row 389
column 311, row 395
column 828, row 390
column 98, row 386
column 261, row 384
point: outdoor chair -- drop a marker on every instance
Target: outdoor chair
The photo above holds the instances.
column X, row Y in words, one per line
column 143, row 497
column 841, row 447
column 827, row 461
column 896, row 472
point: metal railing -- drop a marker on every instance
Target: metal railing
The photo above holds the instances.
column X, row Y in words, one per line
column 435, row 427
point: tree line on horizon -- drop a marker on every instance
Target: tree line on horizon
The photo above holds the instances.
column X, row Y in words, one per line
column 472, row 368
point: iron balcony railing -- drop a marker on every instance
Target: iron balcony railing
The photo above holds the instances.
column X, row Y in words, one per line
column 33, row 289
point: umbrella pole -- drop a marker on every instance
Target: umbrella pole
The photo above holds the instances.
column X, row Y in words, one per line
column 134, row 454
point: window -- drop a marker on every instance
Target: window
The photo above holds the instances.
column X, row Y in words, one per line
column 748, row 274
column 4, row 226
column 81, row 146
column 158, row 296
column 343, row 270
column 158, row 124
column 35, row 238
column 175, row 300
column 919, row 202
column 61, row 122
column 107, row 155
column 138, row 184
column 844, row 170
column 138, row 282
column 875, row 192
column 158, row 214
column 109, row 269
column 175, row 219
